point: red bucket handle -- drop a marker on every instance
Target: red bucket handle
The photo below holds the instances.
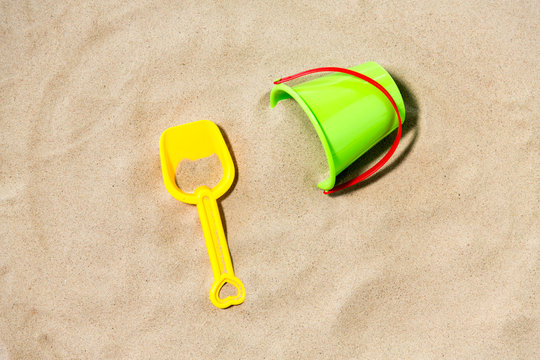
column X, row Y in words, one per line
column 390, row 152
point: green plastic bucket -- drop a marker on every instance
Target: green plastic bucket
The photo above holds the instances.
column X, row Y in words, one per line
column 349, row 114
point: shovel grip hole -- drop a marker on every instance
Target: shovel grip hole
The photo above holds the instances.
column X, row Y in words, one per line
column 226, row 291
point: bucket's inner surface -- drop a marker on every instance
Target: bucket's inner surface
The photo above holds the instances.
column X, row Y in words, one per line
column 190, row 174
column 309, row 156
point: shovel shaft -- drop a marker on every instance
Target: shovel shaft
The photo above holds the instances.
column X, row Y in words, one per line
column 218, row 251
column 214, row 236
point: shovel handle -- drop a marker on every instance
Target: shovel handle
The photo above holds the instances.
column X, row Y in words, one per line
column 218, row 251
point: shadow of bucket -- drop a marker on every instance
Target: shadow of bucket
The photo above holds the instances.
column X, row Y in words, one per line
column 349, row 115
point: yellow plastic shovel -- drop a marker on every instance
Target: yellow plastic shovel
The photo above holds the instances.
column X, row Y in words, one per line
column 195, row 141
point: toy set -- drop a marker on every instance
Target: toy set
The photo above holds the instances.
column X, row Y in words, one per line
column 351, row 111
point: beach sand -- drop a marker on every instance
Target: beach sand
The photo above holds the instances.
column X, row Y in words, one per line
column 437, row 256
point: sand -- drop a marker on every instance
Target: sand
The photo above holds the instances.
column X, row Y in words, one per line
column 190, row 174
column 435, row 257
